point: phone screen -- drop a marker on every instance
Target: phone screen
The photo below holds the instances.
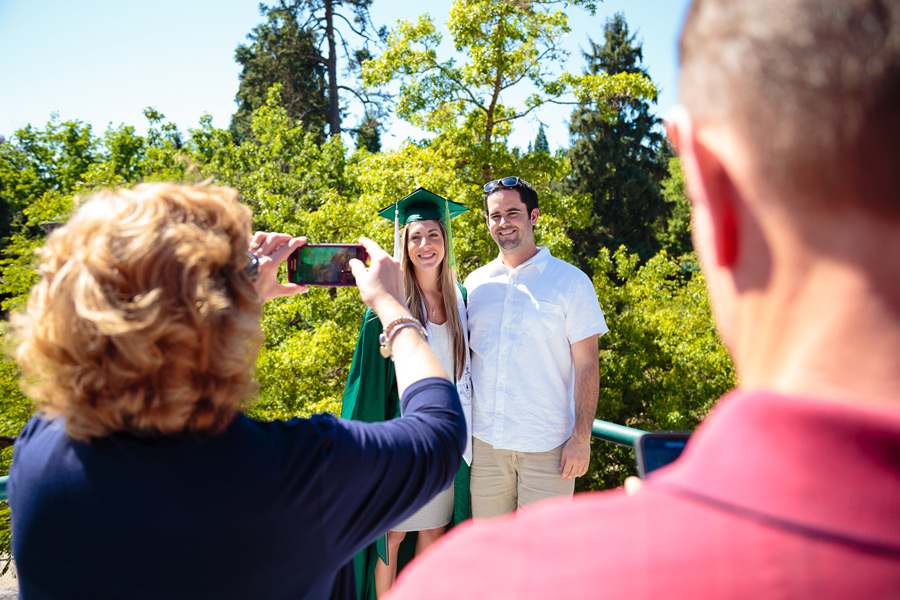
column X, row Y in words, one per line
column 655, row 450
column 324, row 264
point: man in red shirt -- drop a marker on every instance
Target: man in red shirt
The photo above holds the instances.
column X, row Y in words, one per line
column 789, row 138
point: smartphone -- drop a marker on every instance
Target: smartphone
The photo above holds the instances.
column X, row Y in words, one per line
column 657, row 449
column 324, row 264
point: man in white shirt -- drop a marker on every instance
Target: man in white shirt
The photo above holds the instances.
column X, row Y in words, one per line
column 534, row 321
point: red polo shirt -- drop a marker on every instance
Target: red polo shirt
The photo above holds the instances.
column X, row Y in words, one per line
column 774, row 497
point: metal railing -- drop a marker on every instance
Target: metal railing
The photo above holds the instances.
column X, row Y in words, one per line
column 603, row 430
column 617, row 434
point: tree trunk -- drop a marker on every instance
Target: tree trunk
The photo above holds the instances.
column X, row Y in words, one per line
column 487, row 169
column 334, row 111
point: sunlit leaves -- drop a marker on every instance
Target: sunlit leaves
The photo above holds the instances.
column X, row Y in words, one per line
column 509, row 47
column 662, row 366
column 677, row 235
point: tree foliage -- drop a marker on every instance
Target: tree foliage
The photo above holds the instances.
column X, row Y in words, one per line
column 540, row 141
column 298, row 47
column 619, row 162
column 676, row 237
column 282, row 52
column 662, row 365
column 509, row 46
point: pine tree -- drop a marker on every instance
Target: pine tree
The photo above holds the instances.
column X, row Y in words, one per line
column 298, row 46
column 540, row 141
column 368, row 135
column 619, row 163
column 280, row 52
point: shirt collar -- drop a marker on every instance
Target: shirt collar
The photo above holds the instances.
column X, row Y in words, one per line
column 538, row 261
column 807, row 464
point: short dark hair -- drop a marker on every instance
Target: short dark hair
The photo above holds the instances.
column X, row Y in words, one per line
column 527, row 194
column 810, row 85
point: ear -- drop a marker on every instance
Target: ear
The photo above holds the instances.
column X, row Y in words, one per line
column 535, row 213
column 711, row 188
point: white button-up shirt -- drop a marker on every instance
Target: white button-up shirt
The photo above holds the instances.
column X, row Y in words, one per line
column 522, row 323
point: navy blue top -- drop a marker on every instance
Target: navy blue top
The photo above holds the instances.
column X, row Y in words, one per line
column 263, row 510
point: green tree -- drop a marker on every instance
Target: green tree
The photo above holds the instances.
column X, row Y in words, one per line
column 297, row 184
column 662, row 366
column 508, row 45
column 676, row 237
column 540, row 141
column 282, row 52
column 368, row 135
column 619, row 162
column 14, row 413
column 36, row 162
column 298, row 48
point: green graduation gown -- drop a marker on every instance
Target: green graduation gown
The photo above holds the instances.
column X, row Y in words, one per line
column 371, row 396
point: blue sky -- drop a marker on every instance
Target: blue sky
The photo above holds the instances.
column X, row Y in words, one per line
column 103, row 61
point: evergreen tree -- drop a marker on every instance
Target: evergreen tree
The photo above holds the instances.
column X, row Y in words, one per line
column 618, row 162
column 540, row 141
column 676, row 237
column 281, row 52
column 298, row 47
column 368, row 136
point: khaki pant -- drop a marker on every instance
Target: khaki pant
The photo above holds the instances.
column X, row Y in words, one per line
column 505, row 480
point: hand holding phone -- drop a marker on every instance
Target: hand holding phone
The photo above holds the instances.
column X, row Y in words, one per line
column 267, row 251
column 324, row 264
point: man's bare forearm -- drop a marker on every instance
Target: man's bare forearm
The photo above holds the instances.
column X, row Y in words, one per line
column 587, row 386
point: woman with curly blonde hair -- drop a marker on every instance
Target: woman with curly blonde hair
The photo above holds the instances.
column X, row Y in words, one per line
column 140, row 477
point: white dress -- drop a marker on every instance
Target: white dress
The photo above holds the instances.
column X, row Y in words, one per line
column 439, row 510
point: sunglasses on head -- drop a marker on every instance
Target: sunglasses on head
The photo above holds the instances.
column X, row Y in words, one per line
column 505, row 182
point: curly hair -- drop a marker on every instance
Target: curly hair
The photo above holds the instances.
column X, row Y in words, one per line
column 143, row 319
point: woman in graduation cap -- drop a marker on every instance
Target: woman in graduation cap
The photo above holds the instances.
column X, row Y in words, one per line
column 425, row 250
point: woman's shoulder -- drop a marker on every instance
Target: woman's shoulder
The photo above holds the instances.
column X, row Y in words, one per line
column 40, row 425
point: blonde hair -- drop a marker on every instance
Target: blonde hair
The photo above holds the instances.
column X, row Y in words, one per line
column 143, row 319
column 415, row 301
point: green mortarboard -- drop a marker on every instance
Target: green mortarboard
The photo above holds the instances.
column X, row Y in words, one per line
column 423, row 205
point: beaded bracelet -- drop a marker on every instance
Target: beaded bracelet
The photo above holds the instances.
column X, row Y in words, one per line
column 391, row 329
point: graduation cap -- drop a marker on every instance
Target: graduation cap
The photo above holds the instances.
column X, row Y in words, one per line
column 423, row 205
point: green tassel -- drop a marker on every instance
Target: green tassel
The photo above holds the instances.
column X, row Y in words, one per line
column 449, row 237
